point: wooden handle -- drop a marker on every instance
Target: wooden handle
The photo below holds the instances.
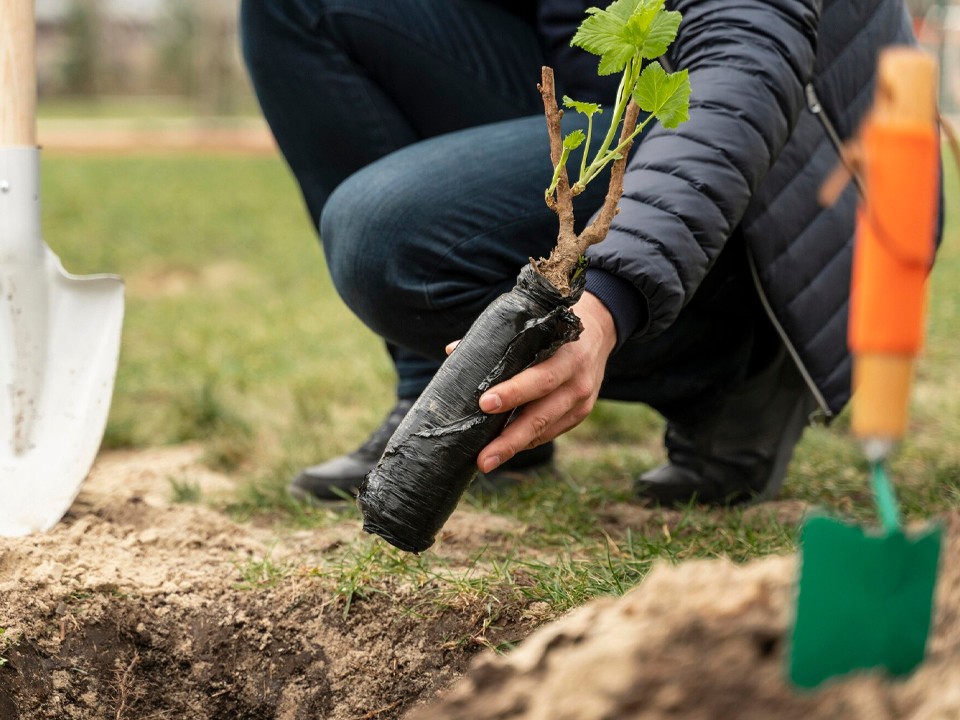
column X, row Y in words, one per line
column 18, row 73
column 895, row 238
column 881, row 385
column 906, row 87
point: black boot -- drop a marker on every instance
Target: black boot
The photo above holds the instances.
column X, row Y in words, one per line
column 340, row 477
column 740, row 450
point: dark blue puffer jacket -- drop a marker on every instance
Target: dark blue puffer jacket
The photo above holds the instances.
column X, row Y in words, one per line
column 765, row 74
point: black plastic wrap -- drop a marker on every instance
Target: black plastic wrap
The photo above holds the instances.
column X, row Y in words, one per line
column 431, row 458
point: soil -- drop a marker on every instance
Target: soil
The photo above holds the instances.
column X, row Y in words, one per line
column 135, row 607
column 703, row 640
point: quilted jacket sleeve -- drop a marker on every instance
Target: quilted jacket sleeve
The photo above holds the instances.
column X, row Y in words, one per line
column 686, row 190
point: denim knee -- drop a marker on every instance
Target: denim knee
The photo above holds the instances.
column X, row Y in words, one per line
column 365, row 229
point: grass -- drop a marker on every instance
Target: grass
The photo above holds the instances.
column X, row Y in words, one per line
column 184, row 491
column 257, row 574
column 142, row 110
column 236, row 339
column 233, row 334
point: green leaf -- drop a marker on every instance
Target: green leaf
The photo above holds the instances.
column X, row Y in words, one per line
column 574, row 140
column 615, row 61
column 588, row 109
column 602, row 33
column 666, row 96
column 663, row 31
column 626, row 29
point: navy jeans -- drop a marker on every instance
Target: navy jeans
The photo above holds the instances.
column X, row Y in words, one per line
column 416, row 133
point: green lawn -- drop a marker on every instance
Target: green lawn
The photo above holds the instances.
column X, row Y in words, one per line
column 233, row 332
column 132, row 108
column 235, row 338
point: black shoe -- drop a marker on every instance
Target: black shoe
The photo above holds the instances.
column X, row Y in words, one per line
column 740, row 451
column 514, row 471
column 340, row 478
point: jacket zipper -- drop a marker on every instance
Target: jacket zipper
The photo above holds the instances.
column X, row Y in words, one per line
column 816, row 107
column 822, row 414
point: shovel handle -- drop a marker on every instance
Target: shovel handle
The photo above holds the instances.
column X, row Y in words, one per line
column 894, row 248
column 18, row 73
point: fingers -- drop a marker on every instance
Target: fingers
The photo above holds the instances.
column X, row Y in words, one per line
column 538, row 423
column 557, row 396
column 531, row 384
column 451, row 347
column 584, row 359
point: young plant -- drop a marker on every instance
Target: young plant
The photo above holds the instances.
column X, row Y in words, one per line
column 624, row 35
column 430, row 460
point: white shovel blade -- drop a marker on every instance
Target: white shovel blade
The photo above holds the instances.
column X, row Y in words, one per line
column 59, row 346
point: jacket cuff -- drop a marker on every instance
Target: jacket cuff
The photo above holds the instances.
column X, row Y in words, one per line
column 626, row 304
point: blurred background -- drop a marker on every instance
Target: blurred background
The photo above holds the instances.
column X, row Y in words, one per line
column 180, row 57
column 937, row 24
column 171, row 67
column 179, row 50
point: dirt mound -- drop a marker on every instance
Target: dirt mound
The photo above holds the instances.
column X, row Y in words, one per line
column 135, row 607
column 704, row 639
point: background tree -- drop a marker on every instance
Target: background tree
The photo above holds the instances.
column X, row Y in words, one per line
column 83, row 58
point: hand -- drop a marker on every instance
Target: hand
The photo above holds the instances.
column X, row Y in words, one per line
column 557, row 394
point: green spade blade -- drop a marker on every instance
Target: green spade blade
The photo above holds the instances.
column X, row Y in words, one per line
column 864, row 600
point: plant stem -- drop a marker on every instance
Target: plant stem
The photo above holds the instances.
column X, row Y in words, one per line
column 619, row 107
column 586, row 150
column 564, row 156
column 624, row 93
column 598, row 229
column 562, row 201
column 610, row 156
column 569, row 248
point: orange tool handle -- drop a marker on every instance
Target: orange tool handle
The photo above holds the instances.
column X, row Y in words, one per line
column 895, row 239
column 896, row 226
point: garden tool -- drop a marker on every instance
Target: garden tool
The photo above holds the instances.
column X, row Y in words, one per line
column 59, row 333
column 865, row 598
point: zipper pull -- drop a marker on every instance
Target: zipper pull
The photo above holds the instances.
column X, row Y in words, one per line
column 813, row 102
column 849, row 166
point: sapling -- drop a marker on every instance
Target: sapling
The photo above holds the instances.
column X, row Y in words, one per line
column 431, row 458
